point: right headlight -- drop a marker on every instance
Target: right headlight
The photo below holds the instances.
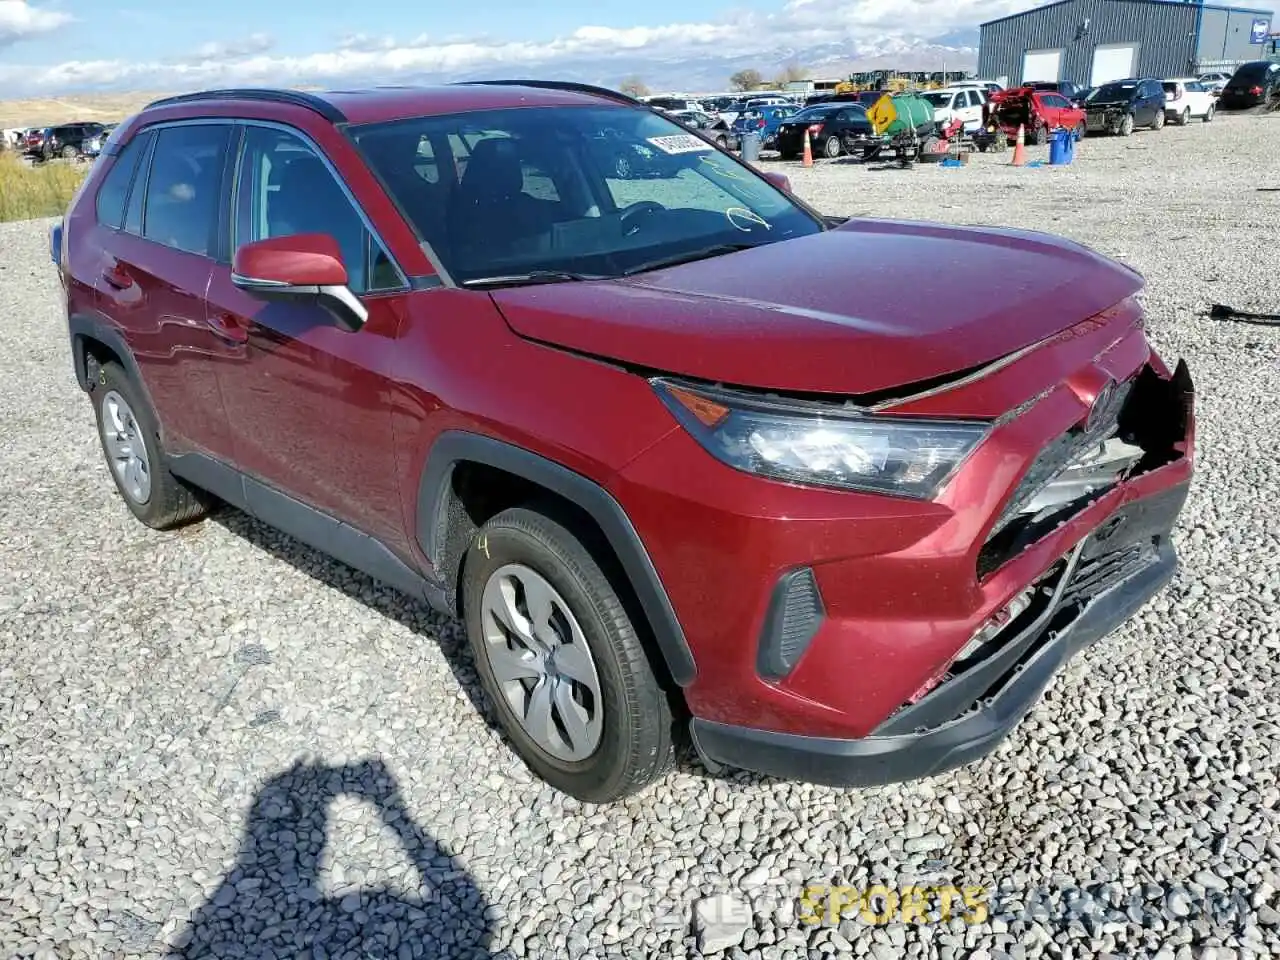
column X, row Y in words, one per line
column 803, row 443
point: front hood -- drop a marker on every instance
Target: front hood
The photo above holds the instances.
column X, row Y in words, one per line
column 865, row 307
column 1107, row 103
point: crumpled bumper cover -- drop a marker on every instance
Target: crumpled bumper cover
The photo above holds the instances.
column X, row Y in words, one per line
column 1105, row 579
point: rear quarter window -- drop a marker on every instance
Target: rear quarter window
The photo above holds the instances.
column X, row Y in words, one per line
column 114, row 192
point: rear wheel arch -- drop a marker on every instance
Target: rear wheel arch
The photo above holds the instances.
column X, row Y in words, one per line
column 94, row 344
column 469, row 477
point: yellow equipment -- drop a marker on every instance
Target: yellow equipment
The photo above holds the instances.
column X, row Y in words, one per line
column 882, row 113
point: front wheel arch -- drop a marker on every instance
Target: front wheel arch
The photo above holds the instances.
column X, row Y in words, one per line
column 447, row 520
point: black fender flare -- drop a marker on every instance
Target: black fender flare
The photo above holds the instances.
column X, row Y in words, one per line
column 433, row 520
column 81, row 328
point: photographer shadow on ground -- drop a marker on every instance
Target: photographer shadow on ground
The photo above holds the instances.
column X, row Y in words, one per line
column 273, row 902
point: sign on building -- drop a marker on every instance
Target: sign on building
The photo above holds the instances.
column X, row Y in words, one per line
column 1258, row 32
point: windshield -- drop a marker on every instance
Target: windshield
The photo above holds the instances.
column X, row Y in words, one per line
column 594, row 191
column 1113, row 91
column 938, row 99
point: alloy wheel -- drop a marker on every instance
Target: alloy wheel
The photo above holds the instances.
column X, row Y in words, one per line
column 541, row 663
column 126, row 448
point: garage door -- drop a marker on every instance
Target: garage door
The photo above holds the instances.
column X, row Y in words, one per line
column 1114, row 61
column 1041, row 65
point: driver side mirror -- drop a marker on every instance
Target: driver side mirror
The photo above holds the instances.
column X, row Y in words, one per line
column 779, row 180
column 305, row 266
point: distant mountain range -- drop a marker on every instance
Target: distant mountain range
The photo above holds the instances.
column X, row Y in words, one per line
column 954, row 51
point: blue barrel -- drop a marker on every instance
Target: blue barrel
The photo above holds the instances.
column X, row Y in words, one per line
column 751, row 146
column 1061, row 148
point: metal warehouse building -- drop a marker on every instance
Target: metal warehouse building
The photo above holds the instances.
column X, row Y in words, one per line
column 1093, row 41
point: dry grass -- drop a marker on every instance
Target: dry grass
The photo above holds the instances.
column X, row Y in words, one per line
column 44, row 112
column 44, row 190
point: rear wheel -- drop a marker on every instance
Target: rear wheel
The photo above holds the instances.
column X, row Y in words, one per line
column 1208, row 114
column 561, row 660
column 831, row 148
column 1158, row 121
column 130, row 441
column 1078, row 133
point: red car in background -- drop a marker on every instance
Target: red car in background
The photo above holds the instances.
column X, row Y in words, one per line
column 1037, row 111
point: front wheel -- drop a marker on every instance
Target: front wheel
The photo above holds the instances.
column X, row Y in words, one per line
column 1126, row 126
column 561, row 660
column 1208, row 114
column 1035, row 136
column 69, row 152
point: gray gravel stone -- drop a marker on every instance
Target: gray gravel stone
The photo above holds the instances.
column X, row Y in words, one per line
column 217, row 740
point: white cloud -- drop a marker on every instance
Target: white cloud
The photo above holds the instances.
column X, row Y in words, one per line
column 19, row 20
column 230, row 50
column 799, row 31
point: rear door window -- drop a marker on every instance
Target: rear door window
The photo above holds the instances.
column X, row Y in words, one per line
column 183, row 197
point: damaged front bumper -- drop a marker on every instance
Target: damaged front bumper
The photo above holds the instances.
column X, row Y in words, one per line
column 1098, row 585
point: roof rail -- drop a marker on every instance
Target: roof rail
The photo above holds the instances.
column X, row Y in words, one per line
column 295, row 98
column 567, row 85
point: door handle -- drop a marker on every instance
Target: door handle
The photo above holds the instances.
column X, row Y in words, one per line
column 228, row 328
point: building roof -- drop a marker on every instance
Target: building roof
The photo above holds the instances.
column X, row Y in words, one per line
column 1163, row 3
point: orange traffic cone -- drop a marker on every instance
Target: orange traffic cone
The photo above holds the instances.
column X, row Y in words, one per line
column 1020, row 149
column 808, row 150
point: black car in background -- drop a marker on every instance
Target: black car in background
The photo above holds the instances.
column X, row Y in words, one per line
column 1253, row 83
column 1119, row 106
column 68, row 141
column 835, row 127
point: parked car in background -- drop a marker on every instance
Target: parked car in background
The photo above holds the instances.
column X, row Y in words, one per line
column 710, row 125
column 964, row 104
column 672, row 104
column 763, row 122
column 1185, row 99
column 1120, row 106
column 33, row 142
column 1072, row 91
column 743, row 105
column 988, row 455
column 1037, row 112
column 987, row 86
column 71, row 140
column 1253, row 84
column 1214, row 82
column 834, row 129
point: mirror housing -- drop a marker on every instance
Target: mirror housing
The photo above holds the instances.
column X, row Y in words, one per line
column 305, row 266
column 779, row 180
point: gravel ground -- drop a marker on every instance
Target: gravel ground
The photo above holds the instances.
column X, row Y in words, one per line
column 220, row 743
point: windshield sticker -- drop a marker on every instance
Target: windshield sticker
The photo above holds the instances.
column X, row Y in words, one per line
column 746, row 220
column 681, row 143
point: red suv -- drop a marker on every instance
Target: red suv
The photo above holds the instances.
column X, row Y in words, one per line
column 836, row 496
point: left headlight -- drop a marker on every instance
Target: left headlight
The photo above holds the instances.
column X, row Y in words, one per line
column 808, row 444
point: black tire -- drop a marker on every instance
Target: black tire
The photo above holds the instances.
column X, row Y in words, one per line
column 69, row 152
column 1184, row 118
column 636, row 746
column 1157, row 122
column 722, row 143
column 172, row 502
column 1126, row 125
column 1208, row 114
column 1035, row 136
column 832, row 148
